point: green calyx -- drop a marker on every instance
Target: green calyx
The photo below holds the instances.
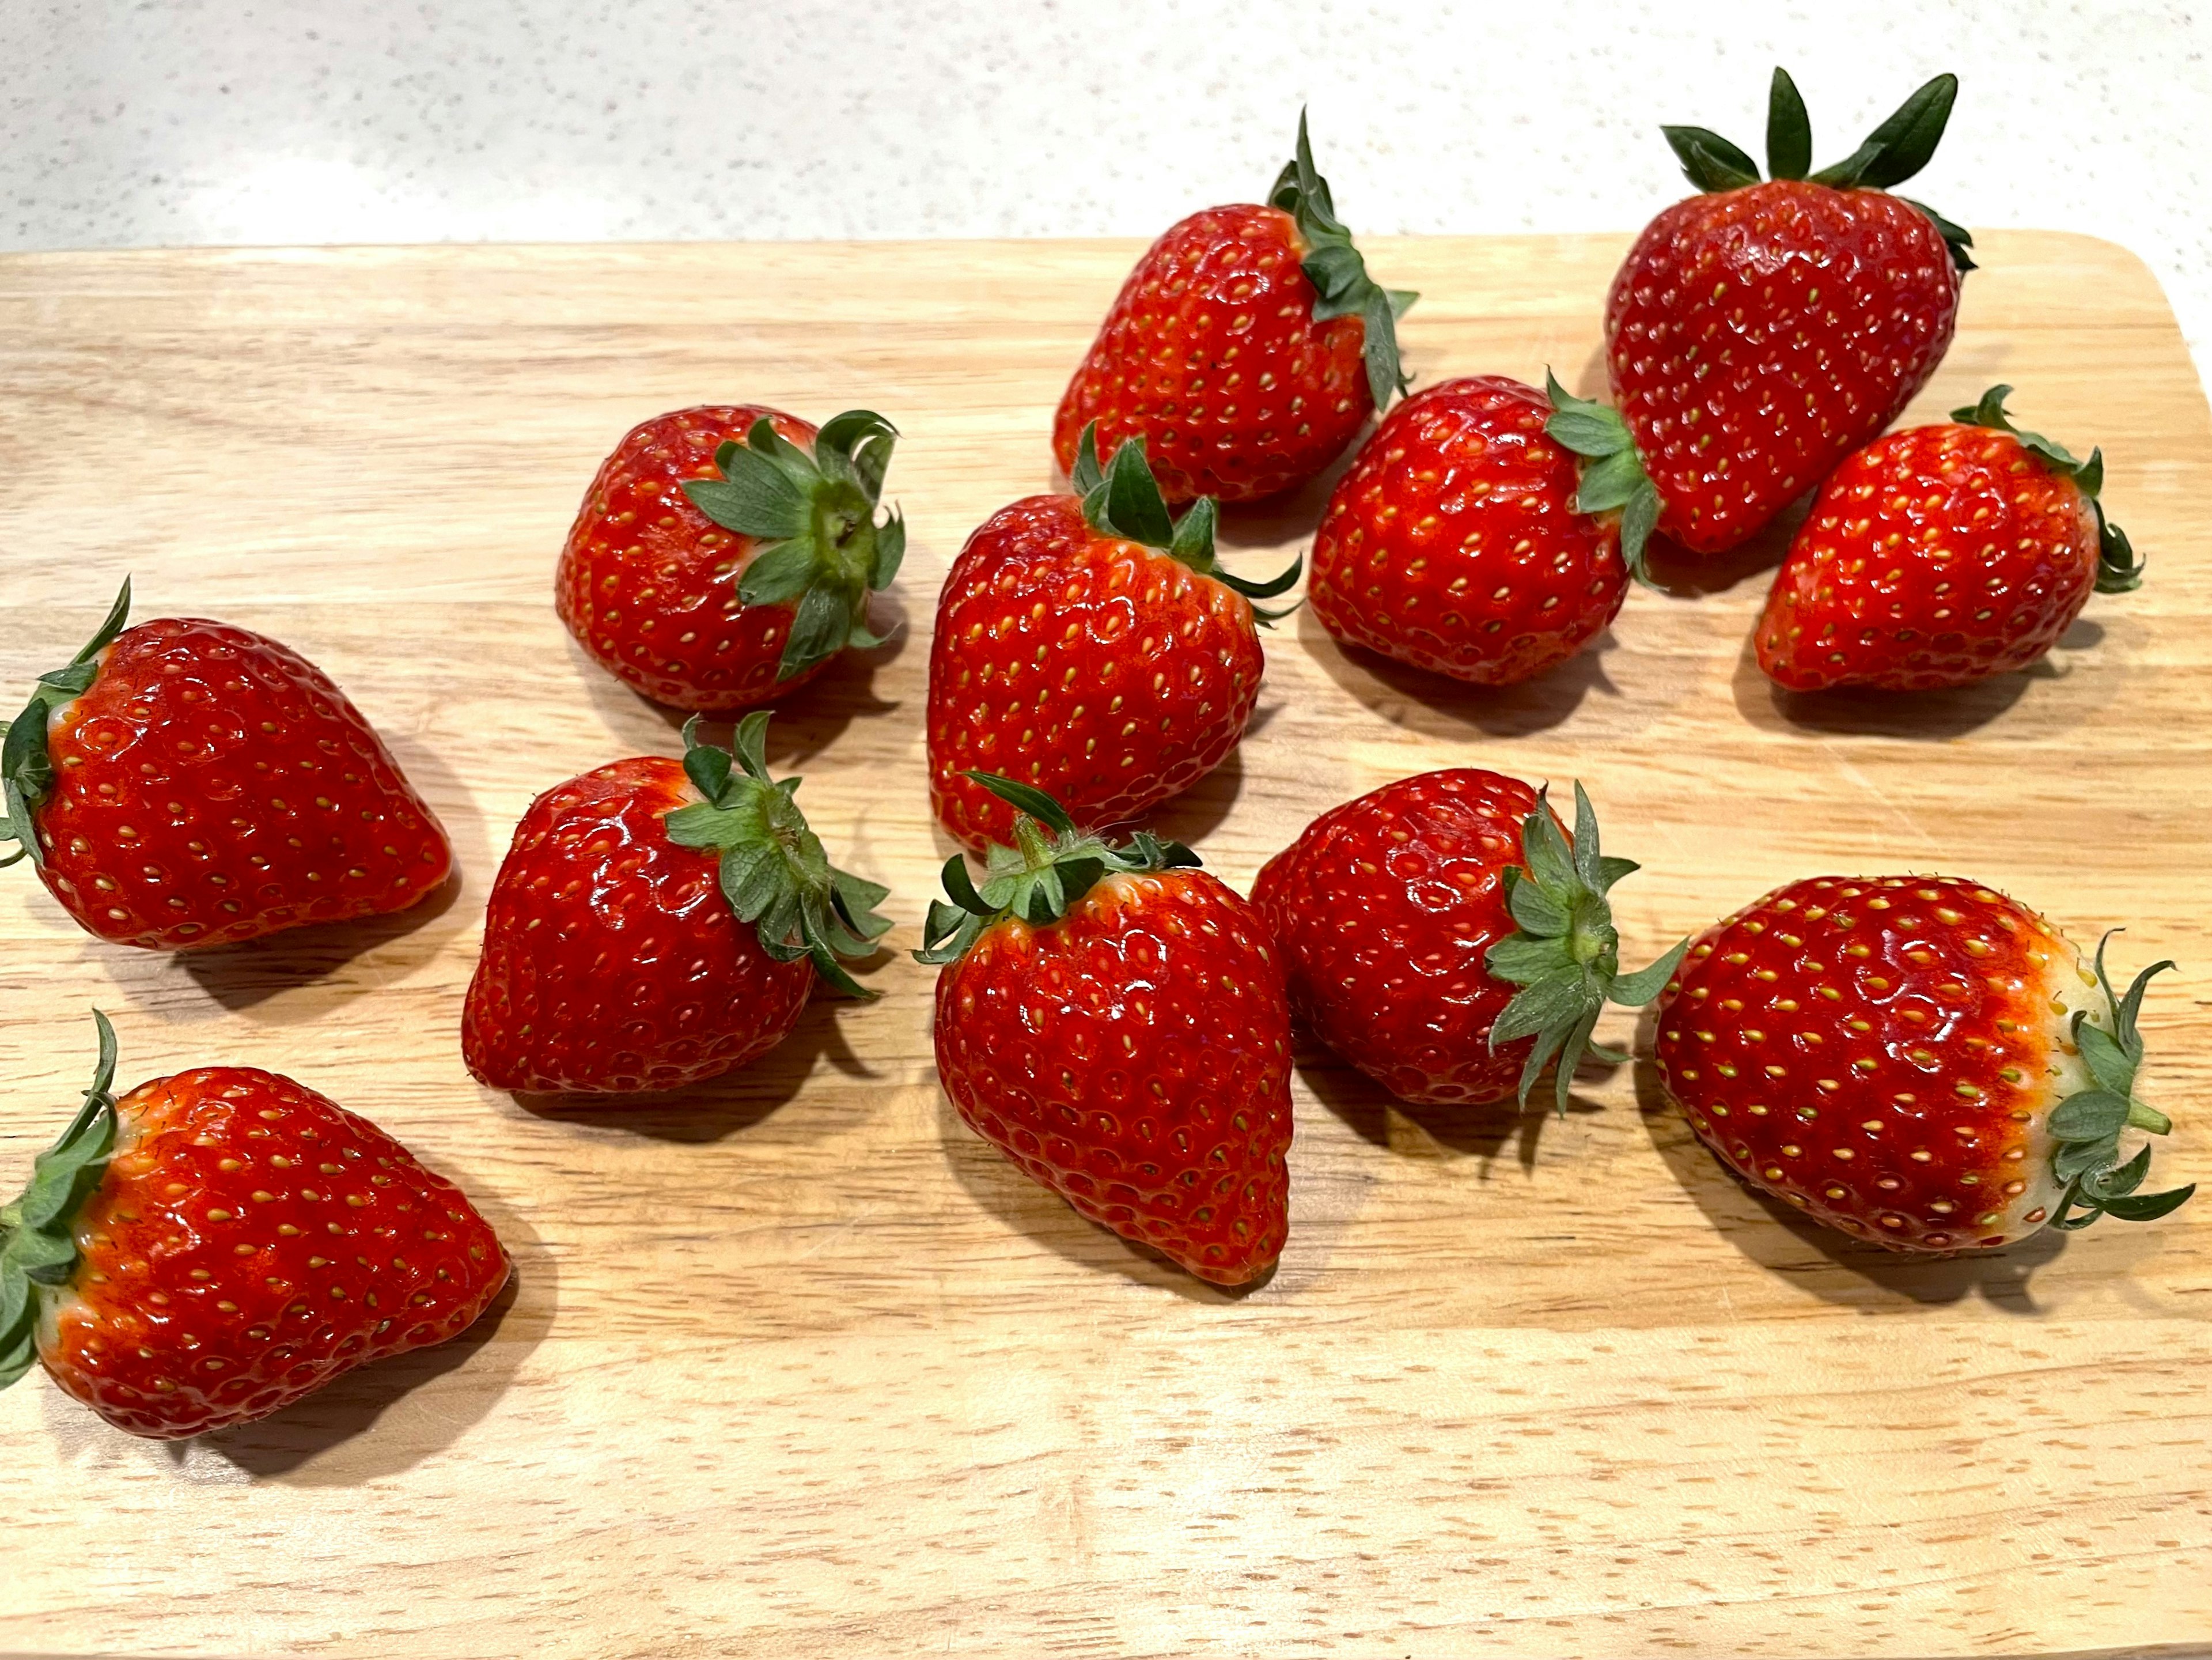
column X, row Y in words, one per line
column 1566, row 957
column 26, row 771
column 2119, row 568
column 1613, row 479
column 1893, row 153
column 1123, row 499
column 1338, row 272
column 774, row 872
column 38, row 1238
column 823, row 551
column 2087, row 1126
column 1051, row 865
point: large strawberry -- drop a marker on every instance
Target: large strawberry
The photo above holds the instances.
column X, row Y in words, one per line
column 1454, row 542
column 1112, row 1019
column 1090, row 647
column 725, row 554
column 217, row 1244
column 185, row 784
column 1441, row 935
column 655, row 924
column 1915, row 1059
column 1941, row 556
column 1245, row 349
column 1758, row 333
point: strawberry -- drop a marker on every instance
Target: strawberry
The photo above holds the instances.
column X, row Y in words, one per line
column 1941, row 556
column 1915, row 1059
column 1091, row 647
column 1112, row 1019
column 186, row 783
column 1441, row 935
column 1453, row 544
column 1758, row 333
column 1246, row 348
column 220, row 1244
column 657, row 924
column 725, row 554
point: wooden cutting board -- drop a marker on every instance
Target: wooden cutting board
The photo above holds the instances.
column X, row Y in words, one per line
column 794, row 1365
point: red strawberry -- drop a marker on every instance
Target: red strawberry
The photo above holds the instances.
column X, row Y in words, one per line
column 1758, row 334
column 1915, row 1059
column 1246, row 348
column 1453, row 544
column 186, row 783
column 1941, row 556
column 657, row 924
column 218, row 1244
column 1441, row 935
column 1112, row 1019
column 725, row 554
column 1091, row 648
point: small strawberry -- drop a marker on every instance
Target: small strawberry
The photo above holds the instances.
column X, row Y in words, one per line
column 185, row 784
column 1454, row 544
column 1942, row 554
column 1758, row 333
column 1112, row 1019
column 1442, row 935
column 1090, row 647
column 657, row 924
column 218, row 1244
column 1246, row 348
column 725, row 554
column 1917, row 1061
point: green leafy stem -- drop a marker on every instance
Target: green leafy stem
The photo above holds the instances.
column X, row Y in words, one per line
column 26, row 770
column 2086, row 1126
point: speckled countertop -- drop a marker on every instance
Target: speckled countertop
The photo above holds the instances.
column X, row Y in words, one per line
column 288, row 121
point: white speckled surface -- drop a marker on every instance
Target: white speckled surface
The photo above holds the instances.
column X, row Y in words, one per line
column 212, row 121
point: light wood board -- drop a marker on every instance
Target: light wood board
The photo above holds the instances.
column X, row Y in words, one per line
column 795, row 1365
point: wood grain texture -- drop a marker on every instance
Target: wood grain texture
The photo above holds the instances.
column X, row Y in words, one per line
column 796, row 1365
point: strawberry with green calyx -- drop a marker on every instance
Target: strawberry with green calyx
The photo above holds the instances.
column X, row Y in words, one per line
column 26, row 767
column 2120, row 569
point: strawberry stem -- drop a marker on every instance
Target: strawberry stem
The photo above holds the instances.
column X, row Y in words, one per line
column 26, row 771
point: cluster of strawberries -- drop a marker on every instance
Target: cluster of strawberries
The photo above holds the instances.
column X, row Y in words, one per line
column 1915, row 1059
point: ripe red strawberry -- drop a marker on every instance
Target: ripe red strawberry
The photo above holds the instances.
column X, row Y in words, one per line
column 1441, row 935
column 1246, row 348
column 1758, row 333
column 657, row 924
column 186, row 783
column 725, row 554
column 1089, row 647
column 1915, row 1059
column 1112, row 1019
column 1941, row 556
column 217, row 1244
column 1454, row 544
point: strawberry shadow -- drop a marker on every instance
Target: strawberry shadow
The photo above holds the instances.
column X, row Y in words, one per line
column 1820, row 1261
column 1481, row 1130
column 1436, row 705
column 1680, row 573
column 1861, row 711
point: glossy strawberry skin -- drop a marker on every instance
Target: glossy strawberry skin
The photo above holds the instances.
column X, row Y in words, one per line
column 1212, row 357
column 1134, row 1057
column 1383, row 911
column 612, row 963
column 1882, row 1053
column 1934, row 558
column 249, row 1242
column 212, row 786
column 649, row 584
column 1756, row 336
column 1104, row 672
column 1453, row 545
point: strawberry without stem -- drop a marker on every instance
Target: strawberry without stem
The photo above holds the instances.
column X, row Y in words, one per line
column 1917, row 1061
column 219, row 1243
column 655, row 924
column 1112, row 1019
column 185, row 784
column 725, row 554
column 1942, row 556
column 1092, row 648
column 1245, row 349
